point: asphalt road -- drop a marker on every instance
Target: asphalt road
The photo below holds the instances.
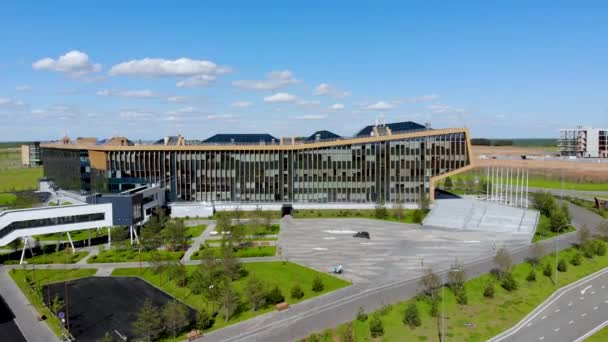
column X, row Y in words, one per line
column 571, row 316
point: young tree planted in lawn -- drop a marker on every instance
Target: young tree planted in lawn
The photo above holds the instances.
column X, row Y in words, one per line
column 376, row 328
column 398, row 211
column 232, row 266
column 531, row 275
column 275, row 296
column 488, row 292
column 175, row 317
column 412, row 316
column 361, row 315
column 584, row 235
column 544, row 202
column 317, row 284
column 297, row 292
column 508, row 282
column 447, row 184
column 558, row 219
column 380, row 211
column 147, row 324
column 348, row 335
column 255, row 292
column 203, row 320
column 577, row 259
column 107, row 337
column 176, row 271
column 503, row 261
column 229, row 301
column 599, row 247
column 223, row 223
column 562, row 266
column 548, row 270
column 430, row 283
column 456, row 276
column 175, row 234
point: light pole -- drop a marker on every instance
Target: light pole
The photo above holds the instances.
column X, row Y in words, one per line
column 556, row 250
column 212, row 301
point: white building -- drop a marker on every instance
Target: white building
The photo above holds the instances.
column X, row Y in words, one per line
column 584, row 142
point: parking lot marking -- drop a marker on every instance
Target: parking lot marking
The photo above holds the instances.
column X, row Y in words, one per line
column 570, row 322
column 557, row 310
column 583, row 315
column 543, row 317
column 556, row 329
column 541, row 338
column 595, row 308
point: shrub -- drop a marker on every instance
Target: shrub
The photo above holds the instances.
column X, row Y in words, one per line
column 587, row 249
column 434, row 307
column 313, row 338
column 347, row 335
column 412, row 316
column 531, row 276
column 376, row 328
column 275, row 296
column 599, row 248
column 548, row 270
column 317, row 284
column 385, row 310
column 296, row 292
column 508, row 282
column 577, row 259
column 488, row 292
column 461, row 297
column 203, row 320
column 417, row 216
column 562, row 266
column 361, row 315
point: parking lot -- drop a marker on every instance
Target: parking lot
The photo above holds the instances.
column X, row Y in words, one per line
column 396, row 251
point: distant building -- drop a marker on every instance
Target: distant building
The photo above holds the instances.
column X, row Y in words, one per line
column 30, row 154
column 584, row 142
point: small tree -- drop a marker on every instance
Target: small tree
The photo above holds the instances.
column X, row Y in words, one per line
column 418, row 216
column 488, row 292
column 447, row 184
column 223, row 223
column 599, row 248
column 175, row 317
column 361, row 315
column 412, row 316
column 456, row 276
column 255, row 293
column 317, row 284
column 107, row 337
column 175, row 234
column 232, row 266
column 562, row 266
column 56, row 304
column 296, row 292
column 577, row 259
column 430, row 283
column 434, row 307
column 461, row 296
column 376, row 328
column 584, row 235
column 508, row 282
column 176, row 271
column 531, row 275
column 380, row 211
column 398, row 211
column 558, row 219
column 348, row 335
column 203, row 320
column 275, row 296
column 229, row 301
column 503, row 262
column 147, row 324
column 544, row 202
column 548, row 270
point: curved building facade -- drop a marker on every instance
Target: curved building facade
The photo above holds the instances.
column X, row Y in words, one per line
column 379, row 165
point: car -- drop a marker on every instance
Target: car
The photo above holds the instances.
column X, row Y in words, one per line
column 364, row 235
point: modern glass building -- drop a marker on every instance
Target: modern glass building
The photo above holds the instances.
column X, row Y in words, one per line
column 393, row 163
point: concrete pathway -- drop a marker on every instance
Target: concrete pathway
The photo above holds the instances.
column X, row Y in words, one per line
column 93, row 250
column 25, row 314
column 199, row 240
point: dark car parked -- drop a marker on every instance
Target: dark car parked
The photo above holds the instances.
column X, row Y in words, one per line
column 364, row 235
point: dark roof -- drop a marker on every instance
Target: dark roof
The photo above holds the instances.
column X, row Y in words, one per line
column 171, row 140
column 323, row 135
column 241, row 138
column 395, row 127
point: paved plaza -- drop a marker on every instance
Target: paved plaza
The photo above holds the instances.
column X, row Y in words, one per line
column 395, row 252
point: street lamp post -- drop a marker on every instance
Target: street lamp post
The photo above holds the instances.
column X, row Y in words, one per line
column 556, row 250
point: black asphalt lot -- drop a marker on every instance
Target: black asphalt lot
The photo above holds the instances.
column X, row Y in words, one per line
column 8, row 329
column 98, row 305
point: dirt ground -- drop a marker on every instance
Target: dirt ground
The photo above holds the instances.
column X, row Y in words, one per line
column 577, row 171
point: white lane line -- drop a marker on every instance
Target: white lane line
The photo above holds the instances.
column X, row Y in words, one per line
column 543, row 317
column 556, row 329
column 541, row 338
column 529, row 324
column 592, row 292
column 595, row 308
column 570, row 304
column 583, row 315
column 556, row 310
column 606, row 301
column 593, row 331
column 582, row 298
column 570, row 322
column 585, row 289
column 603, row 286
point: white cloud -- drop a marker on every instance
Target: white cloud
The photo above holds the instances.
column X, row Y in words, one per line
column 325, row 89
column 241, row 104
column 423, row 98
column 176, row 99
column 23, row 87
column 308, row 103
column 73, row 63
column 274, row 80
column 158, row 67
column 280, row 97
column 196, row 81
column 381, row 105
column 336, row 106
column 310, row 117
column 183, row 110
column 220, row 116
column 133, row 114
column 440, row 108
column 5, row 101
column 139, row 94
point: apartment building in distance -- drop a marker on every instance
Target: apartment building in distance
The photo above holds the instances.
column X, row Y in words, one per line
column 584, row 142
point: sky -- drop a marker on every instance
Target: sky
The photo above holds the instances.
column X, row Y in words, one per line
column 144, row 70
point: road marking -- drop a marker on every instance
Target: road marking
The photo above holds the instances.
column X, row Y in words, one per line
column 556, row 330
column 593, row 331
column 570, row 304
column 543, row 317
column 595, row 308
column 583, row 315
column 541, row 338
column 570, row 322
column 582, row 298
column 603, row 286
column 592, row 292
column 529, row 324
column 585, row 289
column 556, row 310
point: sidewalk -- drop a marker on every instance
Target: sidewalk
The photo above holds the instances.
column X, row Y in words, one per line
column 199, row 240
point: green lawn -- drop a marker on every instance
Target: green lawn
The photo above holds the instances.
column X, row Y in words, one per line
column 249, row 229
column 77, row 235
column 194, row 231
column 19, row 179
column 244, row 252
column 282, row 274
column 132, row 255
column 43, row 277
column 482, row 318
column 61, row 257
column 599, row 336
column 408, row 214
column 54, row 204
column 543, row 231
column 589, row 205
column 7, row 199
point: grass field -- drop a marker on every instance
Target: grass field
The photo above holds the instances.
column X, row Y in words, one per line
column 132, row 255
column 543, row 231
column 23, row 279
column 408, row 214
column 249, row 229
column 194, row 231
column 600, row 336
column 245, row 252
column 77, row 235
column 61, row 257
column 282, row 274
column 482, row 318
column 19, row 179
column 7, row 199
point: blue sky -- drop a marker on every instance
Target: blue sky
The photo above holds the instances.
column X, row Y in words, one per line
column 149, row 69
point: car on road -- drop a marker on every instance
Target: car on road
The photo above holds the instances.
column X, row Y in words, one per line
column 364, row 235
